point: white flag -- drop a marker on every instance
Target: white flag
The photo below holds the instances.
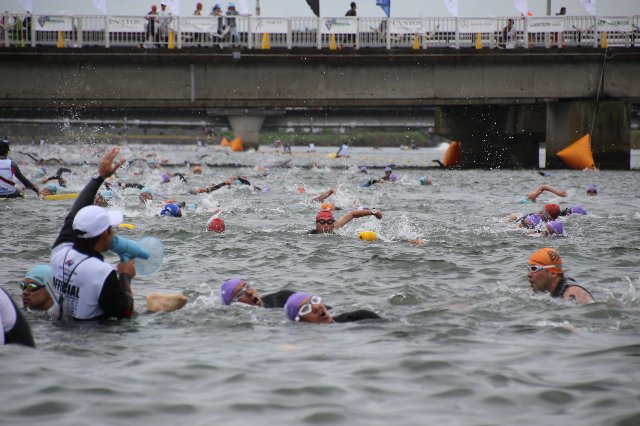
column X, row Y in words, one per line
column 452, row 6
column 101, row 5
column 243, row 7
column 27, row 4
column 173, row 6
column 522, row 6
column 590, row 6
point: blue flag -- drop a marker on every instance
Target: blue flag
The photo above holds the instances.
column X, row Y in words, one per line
column 385, row 5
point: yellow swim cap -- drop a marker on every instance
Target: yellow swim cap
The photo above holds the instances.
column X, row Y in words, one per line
column 545, row 257
column 368, row 236
column 127, row 225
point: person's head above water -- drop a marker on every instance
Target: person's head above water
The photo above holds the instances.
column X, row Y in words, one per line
column 554, row 227
column 238, row 290
column 92, row 227
column 592, row 190
column 216, row 225
column 388, row 170
column 304, row 307
column 425, row 180
column 363, row 169
column 325, row 221
column 49, row 189
column 172, row 210
column 545, row 270
column 550, row 211
column 532, row 221
column 165, row 177
column 578, row 210
column 145, row 194
column 35, row 294
column 393, row 177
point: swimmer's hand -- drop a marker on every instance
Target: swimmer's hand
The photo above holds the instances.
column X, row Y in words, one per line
column 107, row 167
column 378, row 214
column 417, row 242
column 127, row 267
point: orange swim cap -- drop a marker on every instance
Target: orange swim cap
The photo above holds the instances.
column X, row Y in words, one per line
column 545, row 257
column 327, row 206
column 197, row 169
column 301, row 189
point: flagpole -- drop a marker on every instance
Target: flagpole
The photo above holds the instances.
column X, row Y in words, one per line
column 257, row 7
column 548, row 7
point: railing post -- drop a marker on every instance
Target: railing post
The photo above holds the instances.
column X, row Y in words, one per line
column 80, row 31
column 357, row 33
column 249, row 34
column 107, row 42
column 33, row 30
column 457, row 34
column 388, row 36
column 318, row 35
column 289, row 34
column 178, row 33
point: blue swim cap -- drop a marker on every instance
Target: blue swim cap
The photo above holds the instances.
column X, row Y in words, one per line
column 192, row 206
column 171, row 210
column 578, row 210
column 227, row 288
column 41, row 171
column 146, row 189
column 525, row 200
column 41, row 274
column 237, row 182
column 52, row 187
column 293, row 304
column 107, row 194
column 555, row 227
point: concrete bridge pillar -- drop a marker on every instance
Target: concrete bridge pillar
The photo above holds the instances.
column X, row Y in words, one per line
column 247, row 127
column 493, row 136
column 567, row 121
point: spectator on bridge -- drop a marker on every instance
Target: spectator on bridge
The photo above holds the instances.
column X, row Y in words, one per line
column 563, row 11
column 198, row 11
column 509, row 35
column 352, row 11
column 232, row 24
column 164, row 19
column 216, row 12
column 151, row 24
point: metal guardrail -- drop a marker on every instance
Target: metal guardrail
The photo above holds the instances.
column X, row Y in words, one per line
column 181, row 32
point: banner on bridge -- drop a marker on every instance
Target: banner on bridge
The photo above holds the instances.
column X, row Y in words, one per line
column 545, row 25
column 269, row 25
column 623, row 25
column 126, row 24
column 198, row 24
column 477, row 25
column 54, row 23
column 339, row 25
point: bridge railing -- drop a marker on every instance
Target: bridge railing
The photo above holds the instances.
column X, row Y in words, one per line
column 182, row 32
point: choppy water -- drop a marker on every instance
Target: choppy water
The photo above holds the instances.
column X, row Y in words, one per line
column 465, row 341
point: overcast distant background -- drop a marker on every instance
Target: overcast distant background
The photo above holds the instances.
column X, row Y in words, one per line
column 332, row 8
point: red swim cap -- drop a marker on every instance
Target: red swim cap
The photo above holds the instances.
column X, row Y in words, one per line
column 325, row 214
column 553, row 210
column 216, row 225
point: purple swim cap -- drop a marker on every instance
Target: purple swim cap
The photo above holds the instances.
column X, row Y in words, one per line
column 578, row 210
column 388, row 169
column 165, row 177
column 555, row 227
column 592, row 188
column 226, row 289
column 534, row 219
column 393, row 177
column 293, row 304
column 363, row 168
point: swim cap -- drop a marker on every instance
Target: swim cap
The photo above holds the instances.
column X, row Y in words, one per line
column 107, row 194
column 388, row 169
column 165, row 177
column 393, row 177
column 525, row 200
column 324, row 214
column 327, row 206
column 216, row 225
column 592, row 187
column 555, row 227
column 197, row 169
column 40, row 273
column 553, row 210
column 545, row 257
column 227, row 289
column 171, row 210
column 266, row 189
column 146, row 189
column 363, row 169
column 533, row 220
column 293, row 304
column 367, row 236
column 41, row 171
column 424, row 180
column 578, row 210
column 52, row 187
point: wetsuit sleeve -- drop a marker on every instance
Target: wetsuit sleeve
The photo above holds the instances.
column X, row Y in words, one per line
column 85, row 198
column 244, row 181
column 23, row 179
column 133, row 185
column 216, row 187
column 277, row 299
column 358, row 315
column 116, row 299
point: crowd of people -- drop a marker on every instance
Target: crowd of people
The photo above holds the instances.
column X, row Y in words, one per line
column 78, row 284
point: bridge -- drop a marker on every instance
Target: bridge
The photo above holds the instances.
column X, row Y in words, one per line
column 500, row 102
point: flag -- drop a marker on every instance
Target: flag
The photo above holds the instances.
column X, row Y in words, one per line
column 27, row 4
column 101, row 5
column 173, row 6
column 243, row 7
column 590, row 6
column 452, row 6
column 315, row 6
column 385, row 5
column 522, row 6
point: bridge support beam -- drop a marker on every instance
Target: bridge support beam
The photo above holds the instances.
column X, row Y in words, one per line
column 494, row 136
column 567, row 121
column 247, row 127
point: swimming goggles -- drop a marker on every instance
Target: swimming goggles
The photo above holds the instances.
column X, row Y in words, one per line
column 30, row 287
column 326, row 222
column 592, row 192
column 241, row 292
column 538, row 268
column 308, row 307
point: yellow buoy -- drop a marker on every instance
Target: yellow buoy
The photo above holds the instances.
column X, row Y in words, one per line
column 332, row 155
column 578, row 155
column 368, row 236
column 127, row 225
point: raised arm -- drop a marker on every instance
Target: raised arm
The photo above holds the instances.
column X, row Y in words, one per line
column 320, row 198
column 26, row 182
column 540, row 189
column 356, row 213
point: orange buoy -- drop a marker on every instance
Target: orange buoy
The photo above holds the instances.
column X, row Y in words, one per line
column 452, row 155
column 236, row 145
column 224, row 142
column 578, row 155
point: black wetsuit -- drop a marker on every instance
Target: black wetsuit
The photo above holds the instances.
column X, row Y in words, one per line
column 277, row 299
column 359, row 315
column 563, row 286
column 20, row 333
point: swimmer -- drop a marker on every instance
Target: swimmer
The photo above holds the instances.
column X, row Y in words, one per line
column 14, row 328
column 58, row 176
column 238, row 290
column 146, row 195
column 103, row 198
column 425, row 181
column 546, row 275
column 230, row 180
column 592, row 190
column 531, row 221
column 320, row 198
column 37, row 292
column 325, row 222
column 9, row 171
column 173, row 209
column 548, row 212
column 304, row 307
column 363, row 170
column 197, row 170
column 577, row 209
column 533, row 196
column 388, row 176
column 49, row 189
